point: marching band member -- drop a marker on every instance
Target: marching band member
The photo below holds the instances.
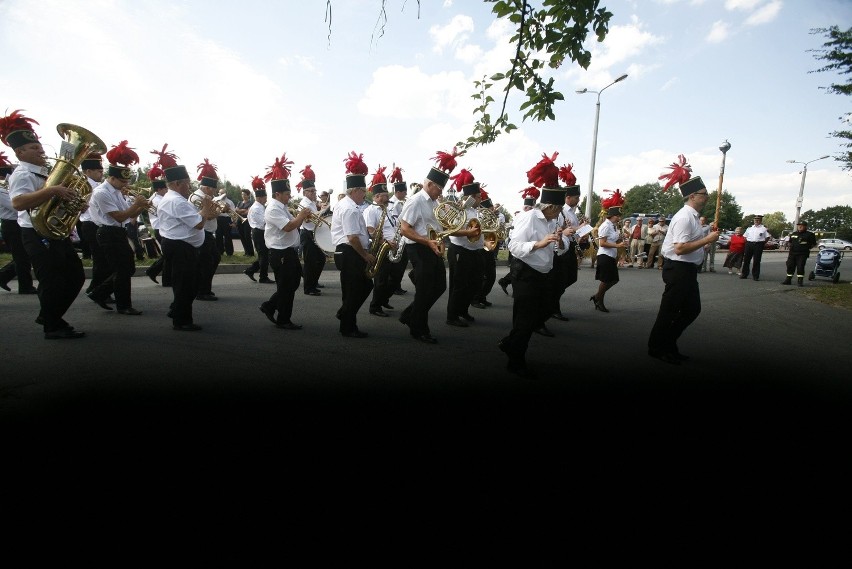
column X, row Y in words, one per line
column 111, row 212
column 208, row 256
column 530, row 195
column 182, row 228
column 352, row 242
column 93, row 168
column 20, row 266
column 426, row 255
column 569, row 222
column 281, row 238
column 395, row 204
column 609, row 242
column 465, row 257
column 57, row 267
column 489, row 259
column 534, row 237
column 257, row 222
column 224, row 241
column 242, row 209
column 382, row 286
column 312, row 255
column 158, row 185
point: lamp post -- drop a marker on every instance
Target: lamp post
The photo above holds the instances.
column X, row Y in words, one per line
column 595, row 143
column 724, row 147
column 802, row 187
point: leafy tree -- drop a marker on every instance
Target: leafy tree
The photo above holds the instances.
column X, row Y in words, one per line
column 731, row 213
column 596, row 207
column 837, row 51
column 837, row 218
column 650, row 198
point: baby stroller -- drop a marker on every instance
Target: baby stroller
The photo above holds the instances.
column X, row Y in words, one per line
column 827, row 265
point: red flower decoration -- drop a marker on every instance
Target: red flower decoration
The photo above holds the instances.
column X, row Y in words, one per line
column 15, row 121
column 446, row 161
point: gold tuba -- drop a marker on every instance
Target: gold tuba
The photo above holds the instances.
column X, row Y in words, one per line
column 56, row 218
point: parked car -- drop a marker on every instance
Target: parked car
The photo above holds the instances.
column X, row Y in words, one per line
column 724, row 240
column 838, row 244
column 771, row 244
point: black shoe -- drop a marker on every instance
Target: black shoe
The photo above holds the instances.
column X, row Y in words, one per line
column 521, row 370
column 388, row 306
column 801, row 283
column 598, row 305
column 479, row 305
column 504, row 286
column 320, row 285
column 186, row 327
column 743, row 276
column 39, row 320
column 289, row 326
column 311, row 292
column 269, row 312
column 425, row 338
column 457, row 323
column 400, row 291
column 249, row 274
column 468, row 317
column 354, row 334
column 31, row 290
column 559, row 316
column 5, row 286
column 667, row 357
column 486, row 303
column 379, row 312
column 756, row 278
column 208, row 297
column 99, row 302
column 266, row 280
column 679, row 356
column 152, row 276
column 404, row 319
column 502, row 347
column 129, row 311
column 544, row 332
column 787, row 282
column 110, row 300
column 64, row 334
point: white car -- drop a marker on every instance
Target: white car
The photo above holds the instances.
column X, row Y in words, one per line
column 838, row 244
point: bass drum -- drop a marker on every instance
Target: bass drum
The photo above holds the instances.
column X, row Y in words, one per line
column 322, row 237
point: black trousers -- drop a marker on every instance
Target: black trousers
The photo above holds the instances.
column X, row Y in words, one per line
column 224, row 241
column 466, row 273
column 354, row 283
column 20, row 267
column 131, row 231
column 430, row 275
column 751, row 258
column 397, row 271
column 100, row 264
column 532, row 292
column 794, row 261
column 119, row 258
column 244, row 229
column 288, row 272
column 679, row 307
column 262, row 262
column 382, row 287
column 208, row 262
column 314, row 259
column 565, row 267
column 84, row 245
column 489, row 275
column 160, row 266
column 60, row 275
column 183, row 260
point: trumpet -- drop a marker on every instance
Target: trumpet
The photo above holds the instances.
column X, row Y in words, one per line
column 218, row 206
column 135, row 192
column 314, row 218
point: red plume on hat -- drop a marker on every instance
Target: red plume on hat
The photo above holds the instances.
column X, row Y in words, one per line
column 355, row 164
column 257, row 184
column 122, row 155
column 280, row 169
column 545, row 174
column 155, row 172
column 4, row 162
column 396, row 175
column 13, row 122
column 166, row 159
column 446, row 161
column 567, row 176
column 462, row 179
column 531, row 192
column 615, row 200
column 483, row 195
column 379, row 177
column 680, row 173
column 207, row 170
column 308, row 174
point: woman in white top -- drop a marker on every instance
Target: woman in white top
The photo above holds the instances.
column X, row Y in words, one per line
column 609, row 243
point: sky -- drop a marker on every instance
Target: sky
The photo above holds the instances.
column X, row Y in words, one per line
column 241, row 83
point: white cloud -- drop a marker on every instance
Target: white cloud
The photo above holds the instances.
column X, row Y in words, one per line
column 746, row 5
column 469, row 53
column 765, row 14
column 719, row 32
column 303, row 62
column 454, row 34
column 448, row 3
column 669, row 84
column 391, row 95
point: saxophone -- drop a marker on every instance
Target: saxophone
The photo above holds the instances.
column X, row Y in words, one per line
column 379, row 247
column 56, row 218
column 396, row 256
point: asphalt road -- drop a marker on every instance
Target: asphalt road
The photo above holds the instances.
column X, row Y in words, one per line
column 762, row 405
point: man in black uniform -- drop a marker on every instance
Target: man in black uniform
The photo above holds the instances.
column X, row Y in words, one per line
column 20, row 266
column 208, row 255
column 801, row 243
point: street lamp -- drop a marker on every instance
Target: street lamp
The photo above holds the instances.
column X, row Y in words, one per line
column 802, row 187
column 724, row 147
column 595, row 143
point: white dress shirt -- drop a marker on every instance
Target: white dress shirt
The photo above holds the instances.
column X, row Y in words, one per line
column 154, row 217
column 608, row 232
column 210, row 224
column 7, row 212
column 756, row 234
column 256, row 219
column 464, row 241
column 419, row 213
column 684, row 228
column 530, row 228
column 26, row 179
column 105, row 199
column 276, row 217
column 178, row 219
column 308, row 203
column 86, row 216
column 348, row 220
column 224, row 199
column 371, row 217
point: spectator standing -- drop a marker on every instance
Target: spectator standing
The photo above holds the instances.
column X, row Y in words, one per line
column 734, row 260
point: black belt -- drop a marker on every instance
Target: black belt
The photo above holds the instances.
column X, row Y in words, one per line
column 684, row 263
column 111, row 228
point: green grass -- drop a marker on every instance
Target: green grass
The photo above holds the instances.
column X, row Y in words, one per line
column 838, row 295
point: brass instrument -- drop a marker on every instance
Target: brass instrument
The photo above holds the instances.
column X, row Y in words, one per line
column 452, row 217
column 134, row 192
column 489, row 226
column 296, row 208
column 56, row 218
column 379, row 247
column 197, row 200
